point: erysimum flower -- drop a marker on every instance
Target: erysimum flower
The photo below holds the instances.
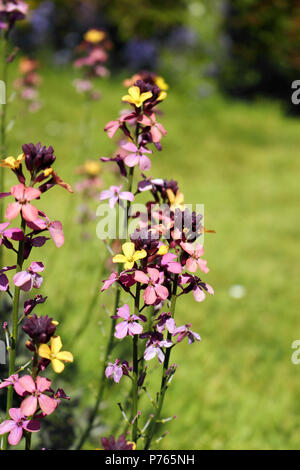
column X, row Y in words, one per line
column 114, row 194
column 154, row 348
column 155, row 291
column 176, row 200
column 30, row 278
column 194, row 262
column 129, row 326
column 168, row 260
column 36, row 397
column 136, row 97
column 116, row 370
column 55, row 355
column 120, row 444
column 136, row 156
column 157, row 130
column 23, row 196
column 12, row 233
column 130, row 256
column 16, row 425
column 185, row 331
column 12, row 162
column 94, row 36
column 12, row 380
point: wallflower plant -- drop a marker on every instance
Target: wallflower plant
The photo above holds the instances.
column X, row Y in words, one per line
column 156, row 266
column 35, row 175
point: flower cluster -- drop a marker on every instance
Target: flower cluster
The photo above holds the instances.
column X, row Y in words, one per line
column 10, row 12
column 29, row 81
column 34, row 172
column 93, row 55
column 163, row 259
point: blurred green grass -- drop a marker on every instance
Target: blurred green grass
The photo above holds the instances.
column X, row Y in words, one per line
column 238, row 388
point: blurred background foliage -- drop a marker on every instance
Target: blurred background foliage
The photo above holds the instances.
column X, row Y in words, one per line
column 243, row 47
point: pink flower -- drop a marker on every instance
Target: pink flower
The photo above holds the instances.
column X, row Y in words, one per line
column 172, row 266
column 185, row 331
column 23, row 196
column 26, row 280
column 196, row 285
column 136, row 156
column 16, row 425
column 157, row 130
column 37, row 396
column 194, row 262
column 154, row 349
column 114, row 194
column 129, row 326
column 155, row 291
column 12, row 380
column 55, row 228
column 117, row 370
column 109, row 282
column 12, row 233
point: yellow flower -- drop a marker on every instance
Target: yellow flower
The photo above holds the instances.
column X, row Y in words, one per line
column 162, row 96
column 163, row 250
column 160, row 82
column 55, row 355
column 130, row 255
column 94, row 36
column 92, row 168
column 136, row 97
column 176, row 201
column 12, row 162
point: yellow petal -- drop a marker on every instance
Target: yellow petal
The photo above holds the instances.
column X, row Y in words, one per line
column 145, row 96
column 162, row 96
column 129, row 265
column 57, row 365
column 134, row 92
column 163, row 250
column 161, row 83
column 55, row 344
column 21, row 157
column 119, row 259
column 128, row 249
column 171, row 196
column 44, row 351
column 179, row 198
column 55, row 323
column 139, row 255
column 128, row 99
column 65, row 356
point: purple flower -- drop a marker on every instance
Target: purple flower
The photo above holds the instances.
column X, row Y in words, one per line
column 30, row 278
column 154, row 280
column 12, row 233
column 154, row 348
column 196, row 285
column 16, row 425
column 4, row 283
column 30, row 304
column 165, row 320
column 136, row 156
column 120, row 444
column 129, row 326
column 114, row 194
column 117, row 370
column 185, row 331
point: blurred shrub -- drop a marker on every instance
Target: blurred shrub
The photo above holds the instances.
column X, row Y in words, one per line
column 263, row 42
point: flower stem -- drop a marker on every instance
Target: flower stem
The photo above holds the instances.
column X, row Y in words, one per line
column 135, row 369
column 102, row 383
column 3, row 131
column 14, row 332
column 34, row 373
column 164, row 386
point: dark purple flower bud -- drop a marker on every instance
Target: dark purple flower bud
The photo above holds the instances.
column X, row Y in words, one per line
column 120, row 444
column 30, row 304
column 38, row 157
column 40, row 329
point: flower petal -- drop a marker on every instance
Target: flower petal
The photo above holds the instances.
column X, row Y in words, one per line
column 55, row 344
column 47, row 404
column 29, row 405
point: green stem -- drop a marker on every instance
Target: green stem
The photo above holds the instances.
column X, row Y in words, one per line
column 34, row 373
column 101, row 389
column 3, row 132
column 164, row 386
column 135, row 359
column 14, row 332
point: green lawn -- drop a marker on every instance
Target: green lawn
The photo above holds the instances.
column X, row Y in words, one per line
column 238, row 387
